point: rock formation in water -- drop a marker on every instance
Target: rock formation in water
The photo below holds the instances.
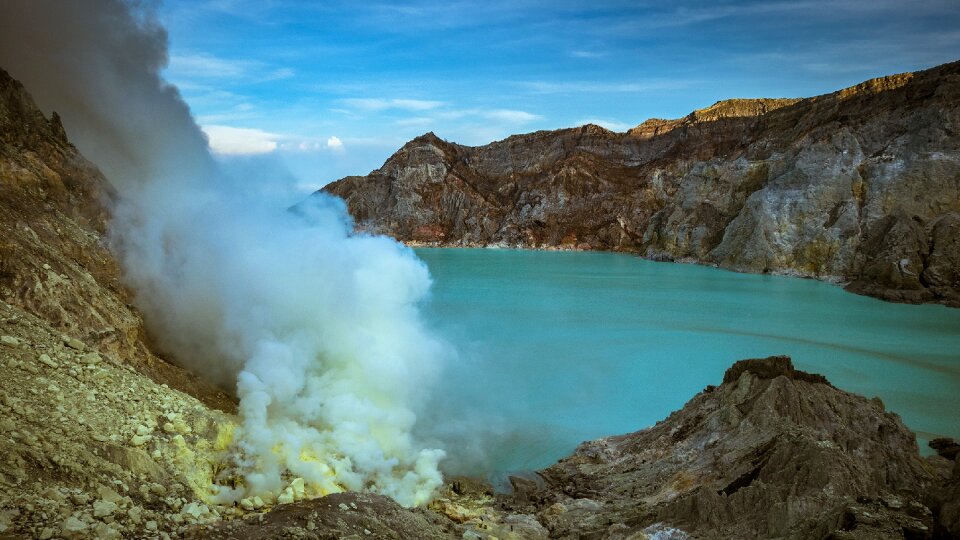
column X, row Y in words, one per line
column 861, row 186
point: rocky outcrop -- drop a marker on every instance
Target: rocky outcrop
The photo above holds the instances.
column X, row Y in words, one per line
column 773, row 452
column 99, row 437
column 861, row 186
column 54, row 259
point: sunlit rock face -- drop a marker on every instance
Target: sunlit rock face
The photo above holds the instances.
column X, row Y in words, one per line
column 860, row 186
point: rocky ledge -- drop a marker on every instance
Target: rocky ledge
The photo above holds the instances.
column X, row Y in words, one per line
column 860, row 187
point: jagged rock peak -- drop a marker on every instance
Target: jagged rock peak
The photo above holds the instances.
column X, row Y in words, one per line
column 428, row 138
column 21, row 122
column 772, row 452
column 771, row 368
column 594, row 129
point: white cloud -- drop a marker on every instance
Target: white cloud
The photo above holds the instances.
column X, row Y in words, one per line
column 612, row 125
column 587, row 54
column 334, row 143
column 205, row 66
column 511, row 116
column 237, row 141
column 379, row 104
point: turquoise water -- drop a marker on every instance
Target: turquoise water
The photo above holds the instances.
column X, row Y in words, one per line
column 560, row 347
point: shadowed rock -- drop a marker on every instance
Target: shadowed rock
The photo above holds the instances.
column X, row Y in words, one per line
column 773, row 452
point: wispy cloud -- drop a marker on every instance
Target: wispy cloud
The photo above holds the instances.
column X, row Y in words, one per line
column 380, row 104
column 583, row 87
column 612, row 125
column 205, row 66
column 506, row 117
column 511, row 116
column 226, row 140
column 587, row 54
column 187, row 68
column 414, row 121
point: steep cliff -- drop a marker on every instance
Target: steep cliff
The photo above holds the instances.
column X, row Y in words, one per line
column 99, row 437
column 54, row 259
column 861, row 186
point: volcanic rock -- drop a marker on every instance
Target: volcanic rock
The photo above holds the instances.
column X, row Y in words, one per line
column 368, row 516
column 945, row 447
column 773, row 452
column 860, row 186
column 66, row 432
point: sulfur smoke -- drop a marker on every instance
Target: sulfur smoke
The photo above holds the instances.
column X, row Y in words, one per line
column 316, row 328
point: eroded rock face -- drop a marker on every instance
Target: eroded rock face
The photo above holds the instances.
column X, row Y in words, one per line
column 54, row 258
column 857, row 186
column 771, row 453
column 82, row 397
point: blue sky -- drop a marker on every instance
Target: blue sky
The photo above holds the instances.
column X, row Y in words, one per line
column 332, row 88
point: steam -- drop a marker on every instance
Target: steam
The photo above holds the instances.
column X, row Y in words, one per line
column 317, row 328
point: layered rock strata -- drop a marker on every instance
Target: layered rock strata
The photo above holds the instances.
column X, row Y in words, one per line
column 861, row 187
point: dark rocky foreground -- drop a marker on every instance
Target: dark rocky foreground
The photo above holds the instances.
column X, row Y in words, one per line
column 772, row 452
column 861, row 187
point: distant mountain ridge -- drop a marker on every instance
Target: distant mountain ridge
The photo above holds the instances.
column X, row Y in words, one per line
column 860, row 186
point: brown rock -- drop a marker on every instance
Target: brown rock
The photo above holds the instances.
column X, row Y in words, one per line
column 856, row 186
column 946, row 447
column 337, row 516
column 772, row 452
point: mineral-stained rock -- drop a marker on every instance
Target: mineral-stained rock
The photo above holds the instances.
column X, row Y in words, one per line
column 67, row 432
column 337, row 516
column 104, row 508
column 72, row 527
column 859, row 186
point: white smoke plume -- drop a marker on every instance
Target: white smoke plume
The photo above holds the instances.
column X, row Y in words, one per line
column 316, row 328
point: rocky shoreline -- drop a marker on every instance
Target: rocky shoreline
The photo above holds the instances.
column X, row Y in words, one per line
column 859, row 187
